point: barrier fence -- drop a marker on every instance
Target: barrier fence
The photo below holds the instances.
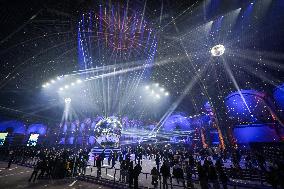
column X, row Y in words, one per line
column 244, row 178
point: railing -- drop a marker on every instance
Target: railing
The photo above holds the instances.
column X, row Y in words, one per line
column 113, row 175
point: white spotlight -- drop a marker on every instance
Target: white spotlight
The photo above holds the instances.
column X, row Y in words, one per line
column 47, row 84
column 79, row 81
column 43, row 86
column 147, row 87
column 52, row 81
column 157, row 84
column 66, row 86
column 166, row 94
column 72, row 84
column 218, row 50
column 67, row 100
column 158, row 96
column 162, row 89
column 58, row 77
column 61, row 89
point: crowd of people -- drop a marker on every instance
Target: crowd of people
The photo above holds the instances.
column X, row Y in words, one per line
column 186, row 167
column 53, row 162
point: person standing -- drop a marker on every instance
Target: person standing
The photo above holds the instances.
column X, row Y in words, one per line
column 155, row 176
column 202, row 175
column 113, row 161
column 130, row 174
column 213, row 178
column 123, row 170
column 135, row 156
column 136, row 172
column 12, row 156
column 165, row 171
column 223, row 178
column 188, row 171
column 99, row 166
column 120, row 158
column 37, row 167
column 157, row 162
column 109, row 158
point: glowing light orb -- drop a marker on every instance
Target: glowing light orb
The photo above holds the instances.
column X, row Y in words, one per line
column 218, row 50
column 67, row 100
column 108, row 132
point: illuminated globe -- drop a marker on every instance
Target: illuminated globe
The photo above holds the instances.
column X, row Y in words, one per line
column 108, row 132
column 218, row 50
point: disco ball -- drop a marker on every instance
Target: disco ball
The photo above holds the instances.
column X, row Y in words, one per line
column 108, row 132
column 218, row 50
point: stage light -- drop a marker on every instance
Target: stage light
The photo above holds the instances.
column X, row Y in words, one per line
column 166, row 94
column 158, row 96
column 79, row 81
column 66, row 86
column 72, row 84
column 67, row 100
column 43, row 86
column 162, row 89
column 61, row 89
column 218, row 50
column 58, row 77
column 157, row 84
column 147, row 87
column 52, row 81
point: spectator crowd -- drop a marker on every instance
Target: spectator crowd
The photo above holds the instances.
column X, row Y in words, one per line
column 207, row 166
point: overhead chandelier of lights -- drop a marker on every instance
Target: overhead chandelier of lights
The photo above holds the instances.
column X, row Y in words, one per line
column 156, row 90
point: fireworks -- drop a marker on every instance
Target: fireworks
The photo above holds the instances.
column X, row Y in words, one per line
column 115, row 34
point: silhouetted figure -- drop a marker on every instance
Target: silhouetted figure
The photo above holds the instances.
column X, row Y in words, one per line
column 136, row 171
column 35, row 172
column 178, row 173
column 165, row 172
column 223, row 178
column 99, row 165
column 12, row 156
column 130, row 174
column 155, row 176
column 157, row 159
column 202, row 175
column 113, row 161
column 188, row 171
column 212, row 176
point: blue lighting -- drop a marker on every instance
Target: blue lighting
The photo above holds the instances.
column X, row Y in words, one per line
column 279, row 96
column 253, row 110
column 37, row 128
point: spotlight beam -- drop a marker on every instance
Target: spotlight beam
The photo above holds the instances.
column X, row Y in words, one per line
column 123, row 71
column 229, row 72
column 185, row 92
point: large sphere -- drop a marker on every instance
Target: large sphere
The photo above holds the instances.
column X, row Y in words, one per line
column 278, row 95
column 177, row 121
column 251, row 107
column 108, row 132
